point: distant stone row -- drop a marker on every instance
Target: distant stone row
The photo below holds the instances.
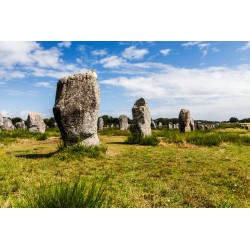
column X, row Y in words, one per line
column 35, row 123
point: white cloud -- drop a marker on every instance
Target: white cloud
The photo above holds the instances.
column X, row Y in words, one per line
column 205, row 91
column 43, row 84
column 190, row 44
column 165, row 52
column 245, row 47
column 64, row 44
column 215, row 49
column 101, row 52
column 112, row 62
column 133, row 53
column 5, row 113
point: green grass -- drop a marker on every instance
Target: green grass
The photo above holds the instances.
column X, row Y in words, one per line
column 136, row 138
column 113, row 132
column 167, row 175
column 206, row 137
column 79, row 151
column 79, row 193
column 12, row 136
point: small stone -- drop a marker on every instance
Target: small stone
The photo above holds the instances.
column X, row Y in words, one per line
column 123, row 122
column 35, row 123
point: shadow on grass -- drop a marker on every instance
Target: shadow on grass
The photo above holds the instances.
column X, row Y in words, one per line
column 37, row 156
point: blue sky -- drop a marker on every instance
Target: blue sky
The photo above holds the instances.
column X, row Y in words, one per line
column 211, row 79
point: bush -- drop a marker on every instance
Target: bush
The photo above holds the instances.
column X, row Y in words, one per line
column 136, row 138
column 41, row 137
column 77, row 194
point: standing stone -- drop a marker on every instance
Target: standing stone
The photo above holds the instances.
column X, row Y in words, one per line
column 141, row 118
column 7, row 124
column 171, row 126
column 159, row 125
column 123, row 122
column 192, row 126
column 1, row 120
column 77, row 107
column 100, row 123
column 35, row 122
column 153, row 125
column 184, row 120
column 20, row 125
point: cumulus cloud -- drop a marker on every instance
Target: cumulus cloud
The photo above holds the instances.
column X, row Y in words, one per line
column 112, row 62
column 245, row 47
column 43, row 84
column 64, row 44
column 201, row 89
column 165, row 52
column 21, row 59
column 215, row 49
column 101, row 52
column 134, row 53
column 190, row 44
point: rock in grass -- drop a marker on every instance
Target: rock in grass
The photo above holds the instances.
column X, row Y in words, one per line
column 35, row 122
column 7, row 124
column 153, row 125
column 184, row 120
column 77, row 107
column 171, row 126
column 123, row 122
column 192, row 125
column 20, row 125
column 141, row 118
column 1, row 120
column 160, row 125
column 100, row 123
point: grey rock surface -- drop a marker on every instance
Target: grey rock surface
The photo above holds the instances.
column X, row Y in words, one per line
column 184, row 120
column 123, row 122
column 7, row 124
column 153, row 125
column 192, row 125
column 77, row 107
column 141, row 118
column 20, row 125
column 100, row 123
column 35, row 122
column 1, row 120
column 160, row 125
column 171, row 126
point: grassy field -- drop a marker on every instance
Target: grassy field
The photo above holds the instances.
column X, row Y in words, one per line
column 197, row 169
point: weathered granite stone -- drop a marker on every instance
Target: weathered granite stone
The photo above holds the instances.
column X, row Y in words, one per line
column 153, row 125
column 100, row 123
column 192, row 125
column 77, row 107
column 141, row 118
column 159, row 125
column 7, row 124
column 184, row 120
column 35, row 123
column 170, row 126
column 123, row 122
column 20, row 125
column 1, row 120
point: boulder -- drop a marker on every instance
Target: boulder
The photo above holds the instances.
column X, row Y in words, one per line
column 192, row 125
column 20, row 125
column 1, row 120
column 153, row 125
column 7, row 124
column 159, row 125
column 141, row 118
column 35, row 123
column 184, row 120
column 77, row 107
column 100, row 123
column 123, row 122
column 171, row 126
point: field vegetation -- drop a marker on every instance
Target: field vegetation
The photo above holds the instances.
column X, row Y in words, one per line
column 197, row 169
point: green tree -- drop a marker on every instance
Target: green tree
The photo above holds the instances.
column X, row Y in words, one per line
column 233, row 120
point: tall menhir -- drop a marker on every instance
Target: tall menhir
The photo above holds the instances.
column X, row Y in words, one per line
column 77, row 107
